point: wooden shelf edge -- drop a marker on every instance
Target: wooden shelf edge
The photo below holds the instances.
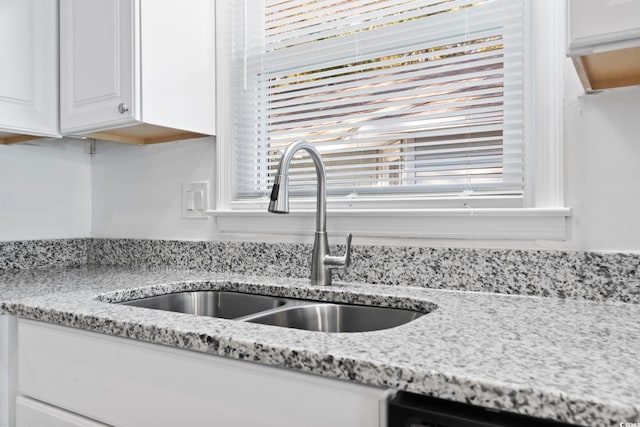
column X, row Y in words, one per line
column 123, row 137
column 179, row 137
column 16, row 139
column 609, row 69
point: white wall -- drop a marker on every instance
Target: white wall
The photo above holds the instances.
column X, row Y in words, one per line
column 56, row 190
column 602, row 166
column 45, row 190
column 137, row 189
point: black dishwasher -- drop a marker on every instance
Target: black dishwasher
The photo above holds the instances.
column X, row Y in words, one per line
column 414, row 410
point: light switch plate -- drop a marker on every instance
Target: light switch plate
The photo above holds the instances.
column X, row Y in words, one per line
column 195, row 200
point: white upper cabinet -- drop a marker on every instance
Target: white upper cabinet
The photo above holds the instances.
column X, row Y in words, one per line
column 137, row 71
column 598, row 25
column 29, row 70
column 97, row 64
column 604, row 42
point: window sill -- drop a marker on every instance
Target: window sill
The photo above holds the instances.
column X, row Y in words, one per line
column 469, row 224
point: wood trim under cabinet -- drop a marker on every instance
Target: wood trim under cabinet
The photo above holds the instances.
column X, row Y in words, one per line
column 144, row 134
column 7, row 139
column 611, row 69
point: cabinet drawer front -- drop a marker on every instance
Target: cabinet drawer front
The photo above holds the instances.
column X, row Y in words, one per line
column 35, row 414
column 128, row 383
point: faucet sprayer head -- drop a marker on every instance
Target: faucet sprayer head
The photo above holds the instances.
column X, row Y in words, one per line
column 280, row 195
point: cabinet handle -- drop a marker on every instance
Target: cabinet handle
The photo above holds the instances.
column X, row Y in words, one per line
column 122, row 108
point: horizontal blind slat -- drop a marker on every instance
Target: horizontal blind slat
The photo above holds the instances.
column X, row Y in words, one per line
column 397, row 95
column 437, row 27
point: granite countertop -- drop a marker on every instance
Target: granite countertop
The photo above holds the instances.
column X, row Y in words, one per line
column 569, row 360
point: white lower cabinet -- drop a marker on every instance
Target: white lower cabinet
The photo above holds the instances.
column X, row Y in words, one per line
column 31, row 413
column 124, row 382
column 8, row 365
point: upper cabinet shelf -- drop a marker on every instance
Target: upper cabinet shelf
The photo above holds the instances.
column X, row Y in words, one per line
column 137, row 71
column 29, row 70
column 604, row 42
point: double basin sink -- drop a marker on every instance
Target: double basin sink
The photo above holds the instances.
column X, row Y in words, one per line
column 279, row 311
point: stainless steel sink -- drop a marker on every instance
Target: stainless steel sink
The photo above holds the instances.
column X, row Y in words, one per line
column 227, row 305
column 278, row 311
column 325, row 317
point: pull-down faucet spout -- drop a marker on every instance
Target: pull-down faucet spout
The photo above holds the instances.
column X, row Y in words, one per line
column 321, row 261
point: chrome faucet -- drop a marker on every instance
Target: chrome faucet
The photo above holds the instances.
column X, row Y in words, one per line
column 321, row 260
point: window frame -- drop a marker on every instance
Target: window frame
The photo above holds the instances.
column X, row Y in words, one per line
column 540, row 214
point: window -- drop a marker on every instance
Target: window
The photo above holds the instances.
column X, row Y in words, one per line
column 415, row 104
column 420, row 97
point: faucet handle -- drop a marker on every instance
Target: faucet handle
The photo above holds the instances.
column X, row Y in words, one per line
column 340, row 261
column 347, row 254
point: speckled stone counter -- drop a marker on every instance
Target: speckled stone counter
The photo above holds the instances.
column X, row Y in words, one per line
column 569, row 360
column 593, row 276
column 25, row 254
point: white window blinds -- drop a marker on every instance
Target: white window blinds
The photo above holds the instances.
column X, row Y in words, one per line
column 399, row 96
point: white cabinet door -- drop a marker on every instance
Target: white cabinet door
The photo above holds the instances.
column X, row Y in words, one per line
column 178, row 65
column 35, row 414
column 96, row 64
column 29, row 67
column 600, row 22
